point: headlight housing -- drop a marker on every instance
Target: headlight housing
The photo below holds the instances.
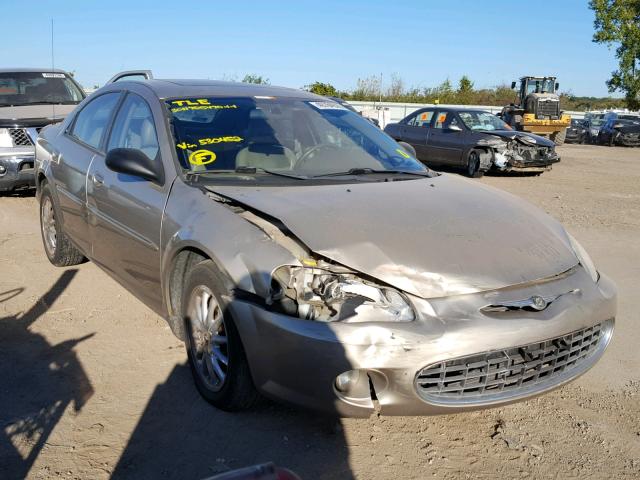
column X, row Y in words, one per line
column 320, row 294
column 5, row 138
column 584, row 259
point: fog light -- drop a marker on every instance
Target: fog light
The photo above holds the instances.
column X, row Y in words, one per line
column 345, row 381
column 3, row 170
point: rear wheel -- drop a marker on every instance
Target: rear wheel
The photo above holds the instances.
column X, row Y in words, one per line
column 59, row 249
column 216, row 355
column 559, row 137
column 473, row 165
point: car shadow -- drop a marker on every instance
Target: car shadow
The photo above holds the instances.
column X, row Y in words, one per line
column 39, row 381
column 20, row 193
column 182, row 436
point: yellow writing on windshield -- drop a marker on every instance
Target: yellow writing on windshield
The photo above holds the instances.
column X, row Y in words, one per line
column 196, row 104
column 209, row 141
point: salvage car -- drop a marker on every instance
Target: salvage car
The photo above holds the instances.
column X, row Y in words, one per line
column 594, row 121
column 30, row 99
column 473, row 140
column 302, row 254
column 620, row 129
column 578, row 132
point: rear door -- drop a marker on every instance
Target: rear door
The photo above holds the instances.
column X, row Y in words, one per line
column 125, row 210
column 415, row 130
column 446, row 138
column 78, row 146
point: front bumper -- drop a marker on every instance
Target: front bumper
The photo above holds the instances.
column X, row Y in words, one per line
column 628, row 140
column 17, row 168
column 297, row 361
column 538, row 165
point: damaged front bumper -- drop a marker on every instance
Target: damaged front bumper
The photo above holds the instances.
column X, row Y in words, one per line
column 524, row 158
column 353, row 369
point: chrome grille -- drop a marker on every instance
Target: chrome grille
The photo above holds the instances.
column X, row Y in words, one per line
column 548, row 109
column 20, row 137
column 512, row 372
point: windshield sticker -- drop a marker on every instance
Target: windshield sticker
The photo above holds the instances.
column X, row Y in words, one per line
column 403, row 153
column 196, row 104
column 209, row 141
column 202, row 157
column 53, row 75
column 327, row 105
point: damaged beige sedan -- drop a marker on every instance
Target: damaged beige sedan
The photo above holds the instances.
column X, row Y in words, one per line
column 304, row 255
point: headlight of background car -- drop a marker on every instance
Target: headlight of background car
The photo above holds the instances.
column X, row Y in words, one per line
column 5, row 138
column 318, row 294
column 584, row 258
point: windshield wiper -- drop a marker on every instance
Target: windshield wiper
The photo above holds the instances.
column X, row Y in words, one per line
column 369, row 171
column 245, row 169
column 250, row 170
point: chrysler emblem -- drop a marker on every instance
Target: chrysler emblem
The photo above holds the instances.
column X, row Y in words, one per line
column 538, row 303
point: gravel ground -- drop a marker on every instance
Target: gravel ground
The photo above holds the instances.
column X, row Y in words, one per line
column 94, row 385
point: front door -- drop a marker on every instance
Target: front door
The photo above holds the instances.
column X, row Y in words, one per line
column 415, row 131
column 126, row 211
column 446, row 139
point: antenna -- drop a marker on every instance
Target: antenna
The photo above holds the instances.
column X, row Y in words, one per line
column 53, row 107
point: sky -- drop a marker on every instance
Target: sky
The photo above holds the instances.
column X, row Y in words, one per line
column 295, row 43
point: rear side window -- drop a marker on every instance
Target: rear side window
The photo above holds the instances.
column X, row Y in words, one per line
column 134, row 127
column 422, row 119
column 91, row 123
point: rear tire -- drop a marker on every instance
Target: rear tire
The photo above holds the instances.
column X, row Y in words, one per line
column 59, row 249
column 216, row 355
column 559, row 137
column 473, row 165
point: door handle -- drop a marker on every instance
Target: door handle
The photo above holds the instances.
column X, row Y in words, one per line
column 98, row 181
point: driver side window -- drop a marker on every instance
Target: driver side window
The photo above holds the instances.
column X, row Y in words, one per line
column 134, row 127
column 421, row 119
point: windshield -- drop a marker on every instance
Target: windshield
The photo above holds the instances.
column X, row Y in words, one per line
column 32, row 88
column 597, row 121
column 540, row 86
column 482, row 121
column 285, row 135
column 630, row 118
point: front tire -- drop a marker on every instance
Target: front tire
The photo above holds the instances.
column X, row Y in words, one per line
column 216, row 355
column 59, row 249
column 559, row 137
column 473, row 165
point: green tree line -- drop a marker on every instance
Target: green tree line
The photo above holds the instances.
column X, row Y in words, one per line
column 463, row 93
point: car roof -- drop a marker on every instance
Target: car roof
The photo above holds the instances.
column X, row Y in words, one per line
column 211, row 88
column 456, row 109
column 31, row 70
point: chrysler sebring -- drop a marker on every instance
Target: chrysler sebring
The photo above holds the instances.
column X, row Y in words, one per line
column 304, row 255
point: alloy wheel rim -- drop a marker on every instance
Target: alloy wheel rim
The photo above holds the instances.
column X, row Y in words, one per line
column 208, row 337
column 49, row 226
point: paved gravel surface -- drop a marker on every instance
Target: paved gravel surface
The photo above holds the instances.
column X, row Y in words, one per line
column 94, row 385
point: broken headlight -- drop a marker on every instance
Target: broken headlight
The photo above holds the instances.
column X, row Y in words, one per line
column 319, row 294
column 584, row 259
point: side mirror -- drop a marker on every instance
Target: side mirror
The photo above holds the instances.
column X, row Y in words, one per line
column 134, row 162
column 408, row 148
column 557, row 86
column 454, row 128
column 513, row 85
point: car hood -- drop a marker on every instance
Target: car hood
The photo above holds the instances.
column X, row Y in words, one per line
column 430, row 237
column 629, row 129
column 34, row 115
column 511, row 134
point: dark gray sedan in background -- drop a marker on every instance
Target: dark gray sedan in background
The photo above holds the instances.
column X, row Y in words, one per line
column 473, row 140
column 302, row 254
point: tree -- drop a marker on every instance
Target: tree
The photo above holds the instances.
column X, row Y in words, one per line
column 465, row 90
column 319, row 88
column 618, row 23
column 253, row 78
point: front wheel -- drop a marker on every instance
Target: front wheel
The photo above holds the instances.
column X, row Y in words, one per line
column 59, row 249
column 473, row 165
column 216, row 355
column 559, row 137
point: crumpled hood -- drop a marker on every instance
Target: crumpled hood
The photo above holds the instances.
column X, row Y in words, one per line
column 511, row 134
column 35, row 113
column 430, row 237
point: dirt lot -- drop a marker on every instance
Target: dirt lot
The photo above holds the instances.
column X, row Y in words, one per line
column 94, row 385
